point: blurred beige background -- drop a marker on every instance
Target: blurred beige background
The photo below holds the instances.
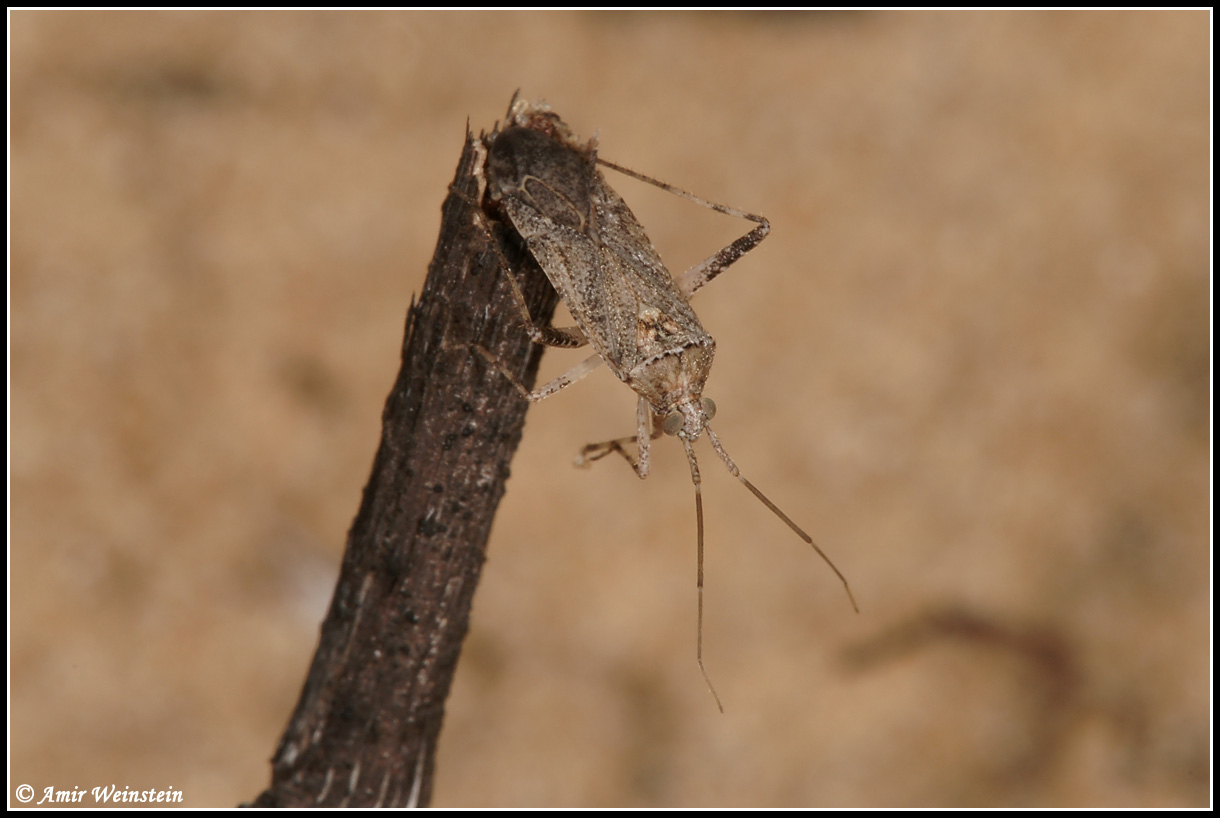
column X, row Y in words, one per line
column 973, row 360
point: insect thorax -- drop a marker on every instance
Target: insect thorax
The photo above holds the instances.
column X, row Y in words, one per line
column 673, row 376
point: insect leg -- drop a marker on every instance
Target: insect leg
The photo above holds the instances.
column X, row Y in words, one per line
column 639, row 462
column 693, row 279
column 550, row 387
column 564, row 337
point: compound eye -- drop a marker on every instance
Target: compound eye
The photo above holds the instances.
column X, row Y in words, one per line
column 672, row 424
column 709, row 408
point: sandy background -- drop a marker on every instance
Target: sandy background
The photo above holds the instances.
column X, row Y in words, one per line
column 972, row 359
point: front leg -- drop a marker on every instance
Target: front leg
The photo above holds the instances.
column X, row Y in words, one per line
column 648, row 430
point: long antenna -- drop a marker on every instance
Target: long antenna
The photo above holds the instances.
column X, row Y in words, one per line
column 732, row 467
column 694, row 476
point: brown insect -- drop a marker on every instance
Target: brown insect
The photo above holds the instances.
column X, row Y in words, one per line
column 627, row 306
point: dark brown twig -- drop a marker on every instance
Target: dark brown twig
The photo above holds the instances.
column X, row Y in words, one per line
column 364, row 731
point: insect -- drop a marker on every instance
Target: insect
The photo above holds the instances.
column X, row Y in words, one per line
column 539, row 178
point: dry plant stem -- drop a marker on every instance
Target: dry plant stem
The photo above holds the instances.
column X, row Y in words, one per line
column 364, row 732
